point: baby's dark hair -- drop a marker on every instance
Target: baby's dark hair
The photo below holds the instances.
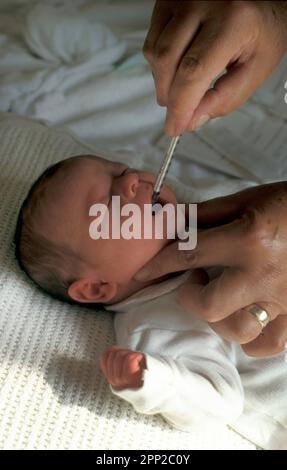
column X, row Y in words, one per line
column 47, row 263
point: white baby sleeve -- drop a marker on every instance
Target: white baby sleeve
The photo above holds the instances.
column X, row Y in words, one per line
column 201, row 384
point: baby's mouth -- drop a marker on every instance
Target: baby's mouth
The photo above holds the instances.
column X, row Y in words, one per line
column 158, row 205
column 160, row 201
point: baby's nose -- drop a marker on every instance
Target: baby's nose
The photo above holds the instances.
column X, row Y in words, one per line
column 130, row 185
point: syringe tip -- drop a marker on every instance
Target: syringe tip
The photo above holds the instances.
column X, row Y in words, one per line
column 154, row 198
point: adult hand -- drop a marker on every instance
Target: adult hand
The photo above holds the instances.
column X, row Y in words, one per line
column 190, row 43
column 246, row 234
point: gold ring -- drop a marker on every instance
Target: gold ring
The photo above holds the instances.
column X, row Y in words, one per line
column 261, row 315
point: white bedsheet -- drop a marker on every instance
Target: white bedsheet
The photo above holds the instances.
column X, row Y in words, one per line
column 90, row 77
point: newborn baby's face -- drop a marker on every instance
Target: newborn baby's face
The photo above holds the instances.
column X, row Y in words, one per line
column 96, row 180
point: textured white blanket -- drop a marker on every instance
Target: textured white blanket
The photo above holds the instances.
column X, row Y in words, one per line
column 53, row 395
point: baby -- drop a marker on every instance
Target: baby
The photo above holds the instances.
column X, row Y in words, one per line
column 166, row 361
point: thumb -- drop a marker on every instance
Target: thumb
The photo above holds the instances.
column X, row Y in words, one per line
column 168, row 260
column 222, row 210
column 210, row 251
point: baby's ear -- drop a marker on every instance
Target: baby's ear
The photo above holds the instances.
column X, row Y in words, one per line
column 92, row 291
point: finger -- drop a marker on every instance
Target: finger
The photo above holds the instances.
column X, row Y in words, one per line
column 133, row 361
column 106, row 354
column 221, row 99
column 272, row 341
column 112, row 364
column 227, row 293
column 135, row 366
column 210, row 251
column 211, row 248
column 168, row 52
column 109, row 366
column 242, row 327
column 224, row 209
column 128, row 377
column 115, row 348
column 160, row 17
column 118, row 370
column 205, row 60
column 117, row 366
column 104, row 358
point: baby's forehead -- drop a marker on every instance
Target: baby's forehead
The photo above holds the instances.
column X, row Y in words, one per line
column 78, row 174
column 96, row 160
column 70, row 192
column 90, row 162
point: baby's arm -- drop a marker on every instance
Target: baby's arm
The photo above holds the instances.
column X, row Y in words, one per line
column 186, row 390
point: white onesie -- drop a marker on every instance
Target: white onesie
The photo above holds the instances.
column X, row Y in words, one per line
column 196, row 378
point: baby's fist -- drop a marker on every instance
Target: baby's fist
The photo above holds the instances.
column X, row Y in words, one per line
column 123, row 368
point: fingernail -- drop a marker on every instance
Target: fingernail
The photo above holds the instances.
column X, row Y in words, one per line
column 173, row 128
column 169, row 127
column 201, row 121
